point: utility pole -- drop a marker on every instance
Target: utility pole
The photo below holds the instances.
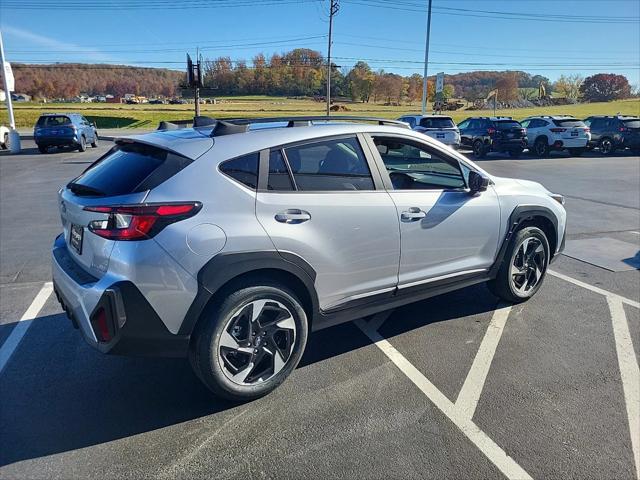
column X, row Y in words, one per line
column 426, row 62
column 196, row 92
column 14, row 137
column 333, row 9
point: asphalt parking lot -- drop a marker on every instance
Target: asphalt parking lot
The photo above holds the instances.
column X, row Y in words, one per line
column 458, row 386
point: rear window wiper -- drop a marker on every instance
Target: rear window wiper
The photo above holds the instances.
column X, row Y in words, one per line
column 80, row 189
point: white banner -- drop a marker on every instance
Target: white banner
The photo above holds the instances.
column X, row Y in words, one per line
column 439, row 82
column 8, row 74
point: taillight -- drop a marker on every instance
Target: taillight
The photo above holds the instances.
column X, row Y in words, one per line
column 558, row 130
column 139, row 222
column 491, row 131
column 623, row 129
column 587, row 130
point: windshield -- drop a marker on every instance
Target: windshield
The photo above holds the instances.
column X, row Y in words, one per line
column 437, row 123
column 128, row 169
column 507, row 124
column 53, row 121
column 569, row 122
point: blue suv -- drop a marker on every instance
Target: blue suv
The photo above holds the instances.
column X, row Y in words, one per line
column 64, row 129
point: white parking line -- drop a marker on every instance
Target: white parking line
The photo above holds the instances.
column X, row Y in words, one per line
column 14, row 338
column 629, row 372
column 488, row 447
column 469, row 394
column 601, row 291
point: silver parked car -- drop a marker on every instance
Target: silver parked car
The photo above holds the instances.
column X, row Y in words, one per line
column 229, row 242
column 438, row 127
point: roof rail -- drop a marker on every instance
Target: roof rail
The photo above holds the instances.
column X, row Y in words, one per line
column 305, row 120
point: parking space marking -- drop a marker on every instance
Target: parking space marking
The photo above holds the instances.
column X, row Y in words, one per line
column 471, row 390
column 15, row 337
column 481, row 440
column 629, row 372
column 601, row 291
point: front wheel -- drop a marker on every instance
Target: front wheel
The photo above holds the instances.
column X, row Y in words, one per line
column 249, row 343
column 94, row 144
column 541, row 148
column 524, row 266
column 576, row 152
column 43, row 148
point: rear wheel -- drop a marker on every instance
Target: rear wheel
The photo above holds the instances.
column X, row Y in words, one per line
column 250, row 342
column 607, row 146
column 576, row 152
column 541, row 147
column 43, row 148
column 82, row 145
column 5, row 141
column 515, row 153
column 524, row 266
column 479, row 150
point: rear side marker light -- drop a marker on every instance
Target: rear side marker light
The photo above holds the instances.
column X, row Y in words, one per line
column 101, row 326
column 139, row 222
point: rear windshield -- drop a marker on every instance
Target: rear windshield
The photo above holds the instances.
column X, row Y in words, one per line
column 128, row 168
column 507, row 124
column 632, row 123
column 437, row 123
column 569, row 122
column 53, row 121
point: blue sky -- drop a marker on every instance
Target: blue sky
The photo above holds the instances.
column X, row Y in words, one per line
column 549, row 37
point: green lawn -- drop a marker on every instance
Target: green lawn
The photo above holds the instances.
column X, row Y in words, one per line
column 143, row 116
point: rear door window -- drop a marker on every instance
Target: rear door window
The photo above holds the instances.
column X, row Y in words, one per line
column 128, row 168
column 632, row 123
column 279, row 178
column 330, row 165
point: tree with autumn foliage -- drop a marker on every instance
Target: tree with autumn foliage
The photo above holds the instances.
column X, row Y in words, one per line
column 604, row 87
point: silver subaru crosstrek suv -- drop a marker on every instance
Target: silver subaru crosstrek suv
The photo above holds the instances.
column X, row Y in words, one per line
column 229, row 242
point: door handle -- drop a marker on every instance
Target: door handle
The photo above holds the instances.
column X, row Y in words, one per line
column 292, row 216
column 413, row 214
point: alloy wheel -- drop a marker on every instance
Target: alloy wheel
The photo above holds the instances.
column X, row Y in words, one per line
column 528, row 265
column 257, row 342
column 606, row 146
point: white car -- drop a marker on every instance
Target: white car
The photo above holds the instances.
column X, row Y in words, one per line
column 4, row 137
column 438, row 127
column 556, row 132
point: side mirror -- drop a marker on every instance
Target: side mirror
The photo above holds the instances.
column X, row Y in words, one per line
column 477, row 182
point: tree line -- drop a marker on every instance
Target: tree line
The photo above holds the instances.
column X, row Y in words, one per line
column 302, row 72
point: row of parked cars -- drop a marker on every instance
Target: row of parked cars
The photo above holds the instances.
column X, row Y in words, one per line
column 538, row 134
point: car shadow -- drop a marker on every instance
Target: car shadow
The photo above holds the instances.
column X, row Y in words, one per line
column 60, row 395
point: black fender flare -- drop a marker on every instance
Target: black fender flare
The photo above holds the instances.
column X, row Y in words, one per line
column 224, row 267
column 520, row 214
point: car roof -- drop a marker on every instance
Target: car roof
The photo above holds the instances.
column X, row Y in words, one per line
column 428, row 115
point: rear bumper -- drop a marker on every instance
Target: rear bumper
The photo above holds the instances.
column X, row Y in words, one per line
column 505, row 146
column 55, row 141
column 134, row 328
column 570, row 143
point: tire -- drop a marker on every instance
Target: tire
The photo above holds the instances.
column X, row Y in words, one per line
column 5, row 141
column 82, row 146
column 479, row 150
column 524, row 280
column 43, row 148
column 541, row 148
column 227, row 342
column 606, row 146
column 635, row 151
column 515, row 153
column 576, row 152
column 94, row 144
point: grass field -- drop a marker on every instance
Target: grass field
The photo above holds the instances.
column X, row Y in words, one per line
column 148, row 116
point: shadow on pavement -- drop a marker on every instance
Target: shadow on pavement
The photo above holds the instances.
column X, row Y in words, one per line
column 59, row 395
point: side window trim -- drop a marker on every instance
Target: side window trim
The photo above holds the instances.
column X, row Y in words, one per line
column 387, row 179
